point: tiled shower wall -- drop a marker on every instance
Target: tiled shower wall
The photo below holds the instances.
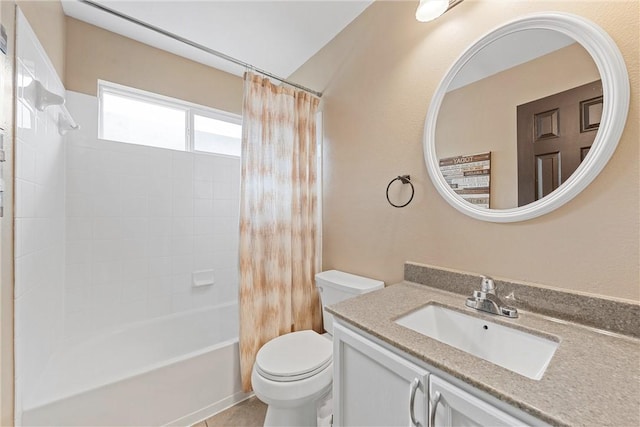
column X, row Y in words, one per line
column 140, row 221
column 39, row 217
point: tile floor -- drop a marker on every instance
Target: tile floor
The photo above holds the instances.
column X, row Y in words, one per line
column 249, row 413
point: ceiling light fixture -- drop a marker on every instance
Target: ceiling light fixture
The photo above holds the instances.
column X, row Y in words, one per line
column 428, row 10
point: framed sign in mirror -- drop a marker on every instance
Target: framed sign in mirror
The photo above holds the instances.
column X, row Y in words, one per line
column 535, row 84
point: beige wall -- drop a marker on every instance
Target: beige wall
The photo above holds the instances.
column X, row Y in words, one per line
column 468, row 124
column 94, row 53
column 47, row 19
column 379, row 75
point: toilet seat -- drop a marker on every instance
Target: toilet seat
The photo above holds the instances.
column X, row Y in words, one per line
column 294, row 356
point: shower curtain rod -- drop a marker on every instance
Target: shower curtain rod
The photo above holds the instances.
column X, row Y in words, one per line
column 197, row 46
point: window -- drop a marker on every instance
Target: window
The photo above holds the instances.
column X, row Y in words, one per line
column 216, row 135
column 138, row 117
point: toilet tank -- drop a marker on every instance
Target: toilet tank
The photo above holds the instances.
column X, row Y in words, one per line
column 335, row 286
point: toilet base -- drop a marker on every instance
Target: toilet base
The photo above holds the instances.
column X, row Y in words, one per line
column 304, row 416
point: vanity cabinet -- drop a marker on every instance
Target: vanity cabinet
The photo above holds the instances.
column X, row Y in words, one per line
column 373, row 386
column 455, row 407
column 378, row 386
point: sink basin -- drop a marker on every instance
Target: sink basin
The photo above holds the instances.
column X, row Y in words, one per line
column 513, row 349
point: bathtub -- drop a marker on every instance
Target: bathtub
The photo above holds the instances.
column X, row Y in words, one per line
column 175, row 370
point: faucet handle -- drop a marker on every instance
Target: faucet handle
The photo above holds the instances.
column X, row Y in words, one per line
column 487, row 285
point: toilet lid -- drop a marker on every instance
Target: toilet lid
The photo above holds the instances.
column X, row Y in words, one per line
column 294, row 356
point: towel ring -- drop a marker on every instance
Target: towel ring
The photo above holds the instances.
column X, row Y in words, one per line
column 405, row 179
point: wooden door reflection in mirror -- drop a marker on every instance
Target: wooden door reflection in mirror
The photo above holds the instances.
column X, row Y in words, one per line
column 554, row 135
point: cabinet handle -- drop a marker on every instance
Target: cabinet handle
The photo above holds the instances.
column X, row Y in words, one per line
column 434, row 407
column 412, row 400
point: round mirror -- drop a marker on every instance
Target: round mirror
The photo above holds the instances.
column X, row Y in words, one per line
column 526, row 117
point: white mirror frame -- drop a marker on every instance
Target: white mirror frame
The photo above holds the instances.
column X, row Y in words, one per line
column 615, row 85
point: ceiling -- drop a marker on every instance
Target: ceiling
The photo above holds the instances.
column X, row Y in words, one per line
column 274, row 36
column 508, row 51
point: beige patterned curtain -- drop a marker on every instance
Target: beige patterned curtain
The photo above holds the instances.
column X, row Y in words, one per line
column 278, row 217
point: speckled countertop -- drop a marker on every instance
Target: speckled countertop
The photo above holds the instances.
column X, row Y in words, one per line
column 592, row 380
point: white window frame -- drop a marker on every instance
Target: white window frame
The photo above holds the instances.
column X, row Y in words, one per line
column 190, row 109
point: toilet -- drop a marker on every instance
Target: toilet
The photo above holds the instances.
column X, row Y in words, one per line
column 293, row 373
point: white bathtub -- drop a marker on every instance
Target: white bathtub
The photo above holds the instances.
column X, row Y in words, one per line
column 175, row 370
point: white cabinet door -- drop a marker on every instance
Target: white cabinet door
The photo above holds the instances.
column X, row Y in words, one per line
column 373, row 386
column 455, row 407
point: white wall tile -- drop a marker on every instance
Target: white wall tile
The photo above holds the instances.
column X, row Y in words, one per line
column 25, row 199
column 107, row 228
column 204, row 296
column 78, row 252
column 28, row 273
column 103, row 295
column 106, row 250
column 203, row 189
column 159, row 286
column 182, row 246
column 135, row 186
column 204, row 166
column 182, row 188
column 226, row 291
column 159, row 306
column 136, row 227
column 140, row 220
column 104, row 317
column 203, row 261
column 105, row 183
column 76, row 299
column 181, row 302
column 25, row 161
column 181, row 284
column 182, row 226
column 30, row 238
column 204, row 243
column 79, row 158
column 159, row 163
column 160, row 205
column 40, row 221
column 106, row 204
column 181, row 264
column 159, row 246
column 182, row 206
column 79, row 206
column 203, row 225
column 159, row 266
column 135, row 269
column 104, row 273
column 135, row 249
column 182, row 165
column 135, row 206
column 203, row 207
column 159, row 226
column 104, row 159
column 158, row 186
column 135, row 290
column 225, row 259
column 78, row 275
column 49, row 202
column 136, row 163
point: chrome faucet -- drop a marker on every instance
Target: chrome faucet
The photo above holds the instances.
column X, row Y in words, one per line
column 487, row 300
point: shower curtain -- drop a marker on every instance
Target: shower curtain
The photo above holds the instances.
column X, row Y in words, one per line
column 278, row 217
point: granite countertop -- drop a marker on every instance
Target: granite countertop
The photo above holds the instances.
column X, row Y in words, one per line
column 593, row 378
